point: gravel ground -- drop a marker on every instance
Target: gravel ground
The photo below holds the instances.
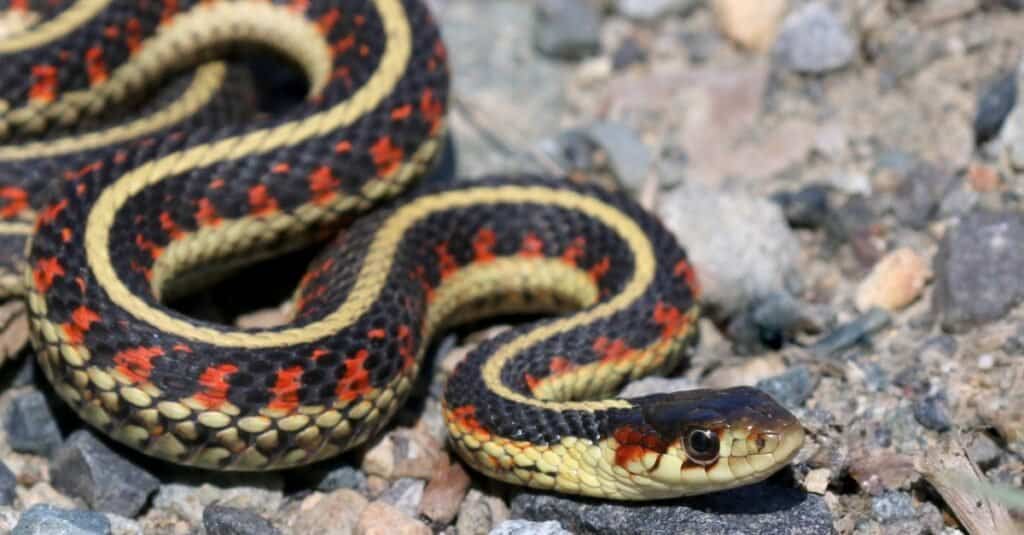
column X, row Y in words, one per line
column 848, row 177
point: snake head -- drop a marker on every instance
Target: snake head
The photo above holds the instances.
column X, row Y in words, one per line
column 717, row 439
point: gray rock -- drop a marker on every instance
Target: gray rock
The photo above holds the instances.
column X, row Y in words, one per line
column 649, row 10
column 994, row 104
column 1015, row 5
column 791, row 388
column 850, row 334
column 629, row 53
column 1012, row 134
column 814, row 40
column 761, row 508
column 893, row 506
column 977, row 269
column 567, row 29
column 808, row 207
column 983, row 450
column 219, row 520
column 86, row 468
column 525, row 527
column 741, row 245
column 921, row 192
column 8, row 485
column 342, row 477
column 773, row 321
column 932, row 412
column 613, row 146
column 44, row 519
column 406, row 495
column 30, row 425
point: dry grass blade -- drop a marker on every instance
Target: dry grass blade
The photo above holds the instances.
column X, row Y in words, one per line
column 13, row 328
column 981, row 507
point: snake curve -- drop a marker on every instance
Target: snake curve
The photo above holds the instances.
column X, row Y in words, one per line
column 98, row 225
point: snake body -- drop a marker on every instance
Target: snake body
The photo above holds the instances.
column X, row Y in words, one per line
column 113, row 218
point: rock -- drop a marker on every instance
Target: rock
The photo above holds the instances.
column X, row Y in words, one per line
column 746, row 374
column 567, row 29
column 772, row 321
column 656, row 385
column 48, row 520
column 342, row 477
column 896, row 281
column 932, row 412
column 218, row 520
column 761, row 508
column 791, row 388
column 1015, row 5
column 86, row 468
column 977, row 269
column 814, row 40
column 753, row 254
column 30, row 425
column 921, row 192
column 598, row 149
column 258, row 492
column 882, row 471
column 336, row 513
column 817, row 480
column 629, row 52
column 478, row 513
column 901, row 49
column 806, row 208
column 380, row 518
column 444, row 494
column 120, row 525
column 8, row 485
column 651, row 10
column 994, row 105
column 402, row 453
column 893, row 506
column 44, row 493
column 850, row 334
column 525, row 527
column 983, row 450
column 983, row 178
column 405, row 495
column 750, row 24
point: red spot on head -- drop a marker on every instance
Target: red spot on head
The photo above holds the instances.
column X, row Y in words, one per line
column 46, row 270
column 95, row 66
column 17, row 201
column 286, row 389
column 355, row 382
column 483, row 245
column 137, row 363
column 633, row 445
column 445, row 260
column 214, row 382
column 685, row 270
column 206, row 214
column 323, row 186
column 432, row 110
column 532, row 247
column 44, row 84
column 81, row 321
column 260, row 201
column 386, row 156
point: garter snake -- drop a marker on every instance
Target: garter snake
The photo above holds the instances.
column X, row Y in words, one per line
column 111, row 217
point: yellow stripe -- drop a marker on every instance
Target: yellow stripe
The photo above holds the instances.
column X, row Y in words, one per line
column 206, row 82
column 21, row 229
column 67, row 21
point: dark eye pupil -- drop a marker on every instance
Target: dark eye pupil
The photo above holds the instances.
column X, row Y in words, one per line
column 702, row 446
column 700, row 441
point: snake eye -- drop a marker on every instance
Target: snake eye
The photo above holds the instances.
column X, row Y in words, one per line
column 702, row 446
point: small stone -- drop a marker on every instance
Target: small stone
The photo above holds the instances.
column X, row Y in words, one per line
column 403, row 453
column 336, row 513
column 48, row 520
column 754, row 253
column 405, row 495
column 983, row 178
column 651, row 10
column 791, row 388
column 986, row 361
column 932, row 412
column 850, row 334
column 599, row 149
column 86, row 468
column 8, row 485
column 813, row 40
column 977, row 269
column 342, row 477
column 655, row 384
column 921, row 192
column 882, row 471
column 768, row 507
column 258, row 492
column 806, row 208
column 750, row 24
column 772, row 322
column 218, row 520
column 380, row 518
column 526, row 527
column 895, row 282
column 1015, row 5
column 994, row 105
column 893, row 506
column 120, row 525
column 817, row 480
column 983, row 450
column 479, row 513
column 444, row 494
column 749, row 373
column 30, row 425
column 629, row 53
column 567, row 29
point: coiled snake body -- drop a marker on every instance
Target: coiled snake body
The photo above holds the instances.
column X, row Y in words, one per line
column 114, row 216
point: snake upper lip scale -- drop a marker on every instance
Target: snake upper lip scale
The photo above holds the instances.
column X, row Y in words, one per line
column 110, row 217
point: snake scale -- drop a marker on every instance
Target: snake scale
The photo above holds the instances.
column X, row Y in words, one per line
column 108, row 204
